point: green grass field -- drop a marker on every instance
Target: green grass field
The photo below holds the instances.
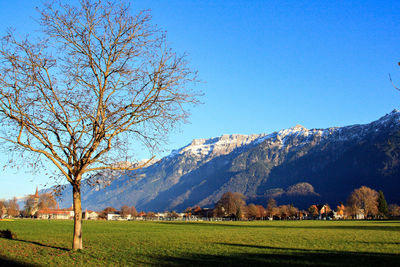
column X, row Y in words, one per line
column 357, row 243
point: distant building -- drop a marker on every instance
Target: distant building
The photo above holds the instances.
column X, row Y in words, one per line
column 118, row 217
column 360, row 214
column 340, row 212
column 58, row 214
column 324, row 211
column 35, row 206
column 48, row 213
column 140, row 216
column 90, row 215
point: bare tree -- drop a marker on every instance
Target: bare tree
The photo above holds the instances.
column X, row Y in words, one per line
column 394, row 210
column 253, row 212
column 12, row 207
column 313, row 211
column 124, row 211
column 47, row 201
column 365, row 199
column 293, row 211
column 29, row 207
column 133, row 212
column 3, row 209
column 262, row 211
column 98, row 81
column 150, row 215
column 231, row 204
column 272, row 209
column 173, row 215
column 284, row 211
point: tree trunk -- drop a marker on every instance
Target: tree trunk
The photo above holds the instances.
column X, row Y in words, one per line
column 77, row 240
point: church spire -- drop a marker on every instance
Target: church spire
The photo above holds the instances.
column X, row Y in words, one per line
column 37, row 193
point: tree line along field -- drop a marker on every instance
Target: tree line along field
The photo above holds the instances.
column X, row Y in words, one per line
column 355, row 243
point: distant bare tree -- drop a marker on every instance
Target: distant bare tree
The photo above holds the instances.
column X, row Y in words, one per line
column 231, row 204
column 99, row 81
column 133, row 212
column 272, row 209
column 47, row 201
column 3, row 209
column 394, row 210
column 365, row 199
column 261, row 211
column 173, row 215
column 150, row 215
column 284, row 211
column 293, row 211
column 218, row 211
column 12, row 207
column 253, row 212
column 29, row 207
column 124, row 211
column 313, row 210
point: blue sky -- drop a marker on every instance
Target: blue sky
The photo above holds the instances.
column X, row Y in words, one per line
column 265, row 65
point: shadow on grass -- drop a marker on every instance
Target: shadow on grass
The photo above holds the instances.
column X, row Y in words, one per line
column 32, row 242
column 4, row 261
column 41, row 244
column 376, row 226
column 274, row 256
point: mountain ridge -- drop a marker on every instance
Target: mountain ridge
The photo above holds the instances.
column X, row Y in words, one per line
column 333, row 161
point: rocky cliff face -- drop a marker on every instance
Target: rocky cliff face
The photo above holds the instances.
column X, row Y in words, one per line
column 295, row 165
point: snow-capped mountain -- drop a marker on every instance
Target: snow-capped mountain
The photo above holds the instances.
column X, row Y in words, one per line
column 222, row 145
column 295, row 165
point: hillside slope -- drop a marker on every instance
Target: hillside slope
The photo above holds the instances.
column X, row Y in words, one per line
column 296, row 165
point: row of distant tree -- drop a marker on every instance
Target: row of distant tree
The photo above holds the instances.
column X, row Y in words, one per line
column 364, row 200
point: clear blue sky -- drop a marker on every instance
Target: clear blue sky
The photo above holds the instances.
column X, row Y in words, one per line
column 266, row 65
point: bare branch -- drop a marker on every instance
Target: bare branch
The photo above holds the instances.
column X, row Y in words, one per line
column 98, row 81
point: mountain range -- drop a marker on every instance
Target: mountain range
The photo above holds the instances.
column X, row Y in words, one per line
column 296, row 165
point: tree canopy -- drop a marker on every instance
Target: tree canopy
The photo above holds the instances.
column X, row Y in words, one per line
column 363, row 199
column 231, row 204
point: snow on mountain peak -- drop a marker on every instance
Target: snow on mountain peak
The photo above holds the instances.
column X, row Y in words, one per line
column 299, row 127
column 392, row 117
column 218, row 145
column 227, row 143
column 293, row 131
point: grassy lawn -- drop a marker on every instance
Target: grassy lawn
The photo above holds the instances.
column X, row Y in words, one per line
column 355, row 243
